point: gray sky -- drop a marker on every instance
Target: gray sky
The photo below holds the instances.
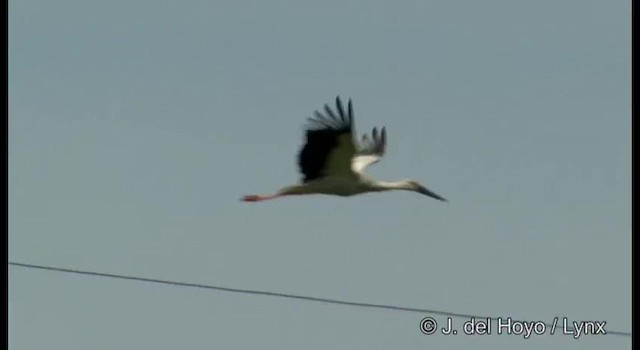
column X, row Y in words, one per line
column 135, row 127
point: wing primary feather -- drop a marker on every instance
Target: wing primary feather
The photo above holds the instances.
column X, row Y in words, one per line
column 329, row 112
column 320, row 120
column 383, row 140
column 374, row 143
column 333, row 119
column 340, row 108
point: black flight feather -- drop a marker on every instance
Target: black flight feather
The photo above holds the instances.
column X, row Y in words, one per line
column 322, row 136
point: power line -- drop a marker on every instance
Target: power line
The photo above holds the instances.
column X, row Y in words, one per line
column 274, row 294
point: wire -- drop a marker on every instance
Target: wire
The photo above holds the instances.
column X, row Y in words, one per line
column 274, row 294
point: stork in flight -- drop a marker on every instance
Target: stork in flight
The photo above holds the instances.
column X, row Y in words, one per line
column 332, row 162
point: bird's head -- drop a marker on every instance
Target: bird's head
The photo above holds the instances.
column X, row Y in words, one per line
column 417, row 187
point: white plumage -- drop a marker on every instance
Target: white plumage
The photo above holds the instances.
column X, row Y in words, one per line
column 332, row 161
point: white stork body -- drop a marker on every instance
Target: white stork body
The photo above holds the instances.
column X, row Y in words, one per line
column 333, row 185
column 332, row 162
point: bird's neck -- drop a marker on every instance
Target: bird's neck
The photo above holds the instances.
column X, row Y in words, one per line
column 392, row 185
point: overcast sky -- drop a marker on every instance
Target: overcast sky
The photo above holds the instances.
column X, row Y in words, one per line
column 135, row 127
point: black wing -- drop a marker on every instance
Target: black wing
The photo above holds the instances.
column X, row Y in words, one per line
column 371, row 150
column 329, row 146
column 376, row 145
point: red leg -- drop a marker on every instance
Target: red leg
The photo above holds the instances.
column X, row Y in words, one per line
column 257, row 198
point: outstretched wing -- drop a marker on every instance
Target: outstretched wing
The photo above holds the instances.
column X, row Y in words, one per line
column 329, row 147
column 371, row 150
